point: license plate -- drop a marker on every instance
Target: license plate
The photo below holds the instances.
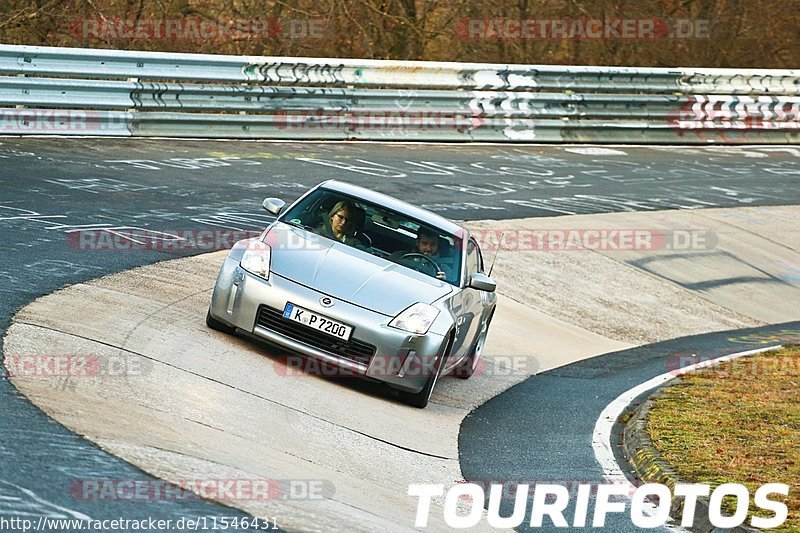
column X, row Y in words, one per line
column 317, row 321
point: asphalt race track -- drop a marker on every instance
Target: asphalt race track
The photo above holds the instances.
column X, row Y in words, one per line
column 579, row 392
column 51, row 187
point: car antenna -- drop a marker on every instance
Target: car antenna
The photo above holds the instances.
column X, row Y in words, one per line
column 496, row 252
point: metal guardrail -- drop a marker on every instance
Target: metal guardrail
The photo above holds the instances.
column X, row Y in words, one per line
column 73, row 91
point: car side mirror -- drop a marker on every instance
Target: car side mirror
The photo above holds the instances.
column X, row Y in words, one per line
column 273, row 205
column 482, row 282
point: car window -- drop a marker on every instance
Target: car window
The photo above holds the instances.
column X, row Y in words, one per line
column 473, row 258
column 383, row 233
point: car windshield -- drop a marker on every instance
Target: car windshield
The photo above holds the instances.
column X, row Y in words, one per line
column 379, row 231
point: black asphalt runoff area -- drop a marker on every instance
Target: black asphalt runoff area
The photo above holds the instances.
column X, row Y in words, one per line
column 50, row 188
column 540, row 431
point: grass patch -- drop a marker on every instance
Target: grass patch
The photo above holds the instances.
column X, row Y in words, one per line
column 736, row 422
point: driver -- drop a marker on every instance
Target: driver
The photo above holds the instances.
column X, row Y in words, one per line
column 427, row 244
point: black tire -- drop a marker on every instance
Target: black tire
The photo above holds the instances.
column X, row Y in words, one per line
column 213, row 323
column 466, row 368
column 420, row 399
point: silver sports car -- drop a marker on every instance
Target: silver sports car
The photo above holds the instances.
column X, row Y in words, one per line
column 361, row 283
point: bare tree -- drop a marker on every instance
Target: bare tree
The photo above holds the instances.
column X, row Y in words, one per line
column 714, row 33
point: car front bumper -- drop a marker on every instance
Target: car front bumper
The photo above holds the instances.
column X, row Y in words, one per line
column 402, row 360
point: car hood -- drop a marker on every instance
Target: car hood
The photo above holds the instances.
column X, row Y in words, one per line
column 348, row 274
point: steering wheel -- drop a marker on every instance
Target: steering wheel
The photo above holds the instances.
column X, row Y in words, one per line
column 416, row 255
column 363, row 237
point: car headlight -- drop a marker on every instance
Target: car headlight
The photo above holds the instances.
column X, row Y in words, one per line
column 256, row 259
column 415, row 319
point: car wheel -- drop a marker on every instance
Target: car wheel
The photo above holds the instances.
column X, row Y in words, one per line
column 213, row 323
column 467, row 367
column 420, row 399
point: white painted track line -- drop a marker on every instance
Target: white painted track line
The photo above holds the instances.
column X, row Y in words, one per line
column 601, row 438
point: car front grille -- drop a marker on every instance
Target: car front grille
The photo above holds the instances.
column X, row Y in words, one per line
column 354, row 349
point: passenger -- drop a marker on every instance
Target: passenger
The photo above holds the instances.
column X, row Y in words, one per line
column 338, row 225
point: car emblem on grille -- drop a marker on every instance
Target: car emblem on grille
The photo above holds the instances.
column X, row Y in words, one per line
column 326, row 302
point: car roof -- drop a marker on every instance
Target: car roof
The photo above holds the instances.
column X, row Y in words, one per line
column 417, row 213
